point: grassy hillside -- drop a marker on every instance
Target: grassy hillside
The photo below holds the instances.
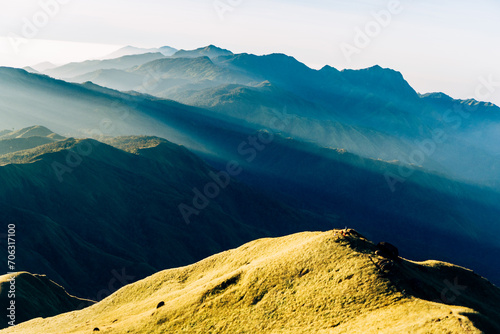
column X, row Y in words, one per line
column 304, row 283
column 36, row 296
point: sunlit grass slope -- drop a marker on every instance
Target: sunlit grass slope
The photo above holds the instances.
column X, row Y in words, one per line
column 302, row 283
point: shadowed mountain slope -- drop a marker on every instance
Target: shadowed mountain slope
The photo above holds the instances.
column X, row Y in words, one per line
column 429, row 214
column 302, row 283
column 35, row 296
column 86, row 210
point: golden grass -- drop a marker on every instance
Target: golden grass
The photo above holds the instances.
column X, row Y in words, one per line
column 304, row 283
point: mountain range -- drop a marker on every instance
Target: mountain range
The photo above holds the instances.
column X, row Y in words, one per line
column 149, row 159
column 372, row 112
column 402, row 192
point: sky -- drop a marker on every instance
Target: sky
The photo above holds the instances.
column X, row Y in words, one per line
column 448, row 46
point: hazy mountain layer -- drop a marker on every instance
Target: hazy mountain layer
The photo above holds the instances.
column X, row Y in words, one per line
column 431, row 130
column 74, row 69
column 132, row 50
column 90, row 110
column 303, row 283
column 40, row 67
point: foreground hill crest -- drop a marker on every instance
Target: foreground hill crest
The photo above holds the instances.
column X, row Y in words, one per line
column 308, row 282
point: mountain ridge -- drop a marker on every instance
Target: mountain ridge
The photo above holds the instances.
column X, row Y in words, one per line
column 267, row 285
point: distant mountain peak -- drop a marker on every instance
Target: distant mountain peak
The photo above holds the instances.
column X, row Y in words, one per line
column 210, row 51
column 31, row 70
column 279, row 55
column 212, row 47
column 375, row 67
column 372, row 69
column 437, row 95
column 130, row 50
column 380, row 79
column 43, row 66
column 272, row 60
column 167, row 50
column 329, row 68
